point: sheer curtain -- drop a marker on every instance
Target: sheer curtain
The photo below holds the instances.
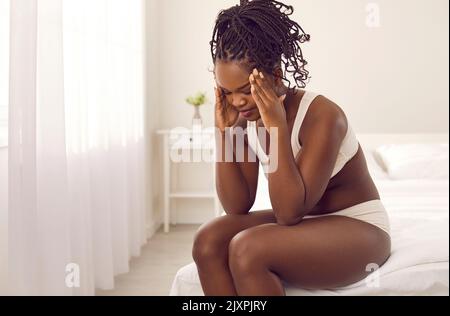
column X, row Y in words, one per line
column 76, row 144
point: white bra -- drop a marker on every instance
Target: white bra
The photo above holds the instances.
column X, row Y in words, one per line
column 349, row 146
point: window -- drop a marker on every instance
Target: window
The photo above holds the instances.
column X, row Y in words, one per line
column 103, row 71
column 103, row 65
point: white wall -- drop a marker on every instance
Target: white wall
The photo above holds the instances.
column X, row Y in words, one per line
column 185, row 32
column 391, row 79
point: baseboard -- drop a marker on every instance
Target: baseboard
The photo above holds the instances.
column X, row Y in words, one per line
column 152, row 228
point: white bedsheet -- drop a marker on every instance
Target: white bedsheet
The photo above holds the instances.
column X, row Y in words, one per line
column 419, row 264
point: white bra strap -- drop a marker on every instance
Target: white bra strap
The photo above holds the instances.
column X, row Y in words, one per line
column 306, row 101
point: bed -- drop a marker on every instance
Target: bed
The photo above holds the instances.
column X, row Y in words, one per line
column 419, row 214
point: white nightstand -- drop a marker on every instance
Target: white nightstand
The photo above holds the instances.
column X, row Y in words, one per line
column 194, row 143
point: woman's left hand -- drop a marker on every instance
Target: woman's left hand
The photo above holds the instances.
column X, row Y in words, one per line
column 270, row 105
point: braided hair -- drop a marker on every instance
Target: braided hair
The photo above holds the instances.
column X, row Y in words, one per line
column 261, row 35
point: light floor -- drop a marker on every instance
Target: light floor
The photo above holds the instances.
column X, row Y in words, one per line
column 153, row 272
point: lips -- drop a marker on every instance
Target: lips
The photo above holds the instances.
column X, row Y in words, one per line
column 247, row 113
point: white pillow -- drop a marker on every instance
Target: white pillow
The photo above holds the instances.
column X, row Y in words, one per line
column 414, row 161
column 374, row 168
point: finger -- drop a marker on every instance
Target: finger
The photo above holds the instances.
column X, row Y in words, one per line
column 264, row 85
column 219, row 101
column 257, row 87
column 259, row 101
column 216, row 93
column 220, row 96
column 260, row 93
column 268, row 102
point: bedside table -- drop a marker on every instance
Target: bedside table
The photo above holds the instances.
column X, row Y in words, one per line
column 182, row 145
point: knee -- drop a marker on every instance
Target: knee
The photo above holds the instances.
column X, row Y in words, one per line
column 208, row 243
column 245, row 253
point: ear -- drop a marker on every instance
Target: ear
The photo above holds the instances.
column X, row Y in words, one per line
column 278, row 81
column 277, row 75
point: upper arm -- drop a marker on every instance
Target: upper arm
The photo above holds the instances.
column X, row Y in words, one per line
column 325, row 130
column 250, row 169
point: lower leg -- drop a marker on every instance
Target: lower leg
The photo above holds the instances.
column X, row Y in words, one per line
column 216, row 279
column 210, row 249
column 258, row 282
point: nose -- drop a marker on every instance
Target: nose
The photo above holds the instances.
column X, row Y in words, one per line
column 238, row 102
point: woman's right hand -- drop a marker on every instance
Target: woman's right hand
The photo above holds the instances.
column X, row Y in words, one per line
column 225, row 114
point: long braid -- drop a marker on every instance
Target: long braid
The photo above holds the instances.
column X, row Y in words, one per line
column 261, row 34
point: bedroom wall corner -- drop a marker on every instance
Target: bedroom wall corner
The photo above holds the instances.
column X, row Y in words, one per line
column 152, row 112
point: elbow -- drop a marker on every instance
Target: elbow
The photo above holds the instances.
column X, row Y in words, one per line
column 289, row 220
column 289, row 215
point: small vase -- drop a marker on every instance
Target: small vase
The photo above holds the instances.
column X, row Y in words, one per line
column 197, row 119
column 196, row 126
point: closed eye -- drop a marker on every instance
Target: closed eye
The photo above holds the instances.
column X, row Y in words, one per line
column 246, row 92
column 226, row 92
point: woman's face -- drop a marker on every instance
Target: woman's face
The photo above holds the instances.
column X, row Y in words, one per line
column 234, row 82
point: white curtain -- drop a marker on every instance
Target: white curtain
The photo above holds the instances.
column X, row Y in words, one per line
column 76, row 144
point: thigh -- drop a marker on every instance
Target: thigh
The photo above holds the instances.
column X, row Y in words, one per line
column 318, row 253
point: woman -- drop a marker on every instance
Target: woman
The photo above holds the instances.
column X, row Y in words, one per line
column 328, row 227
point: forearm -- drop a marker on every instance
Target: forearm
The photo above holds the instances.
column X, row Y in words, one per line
column 231, row 186
column 286, row 186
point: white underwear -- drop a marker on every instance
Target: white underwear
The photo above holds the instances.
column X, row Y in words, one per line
column 372, row 212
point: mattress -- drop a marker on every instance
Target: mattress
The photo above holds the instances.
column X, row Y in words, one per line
column 418, row 265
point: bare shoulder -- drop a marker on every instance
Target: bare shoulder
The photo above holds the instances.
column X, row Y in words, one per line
column 323, row 115
column 323, row 108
